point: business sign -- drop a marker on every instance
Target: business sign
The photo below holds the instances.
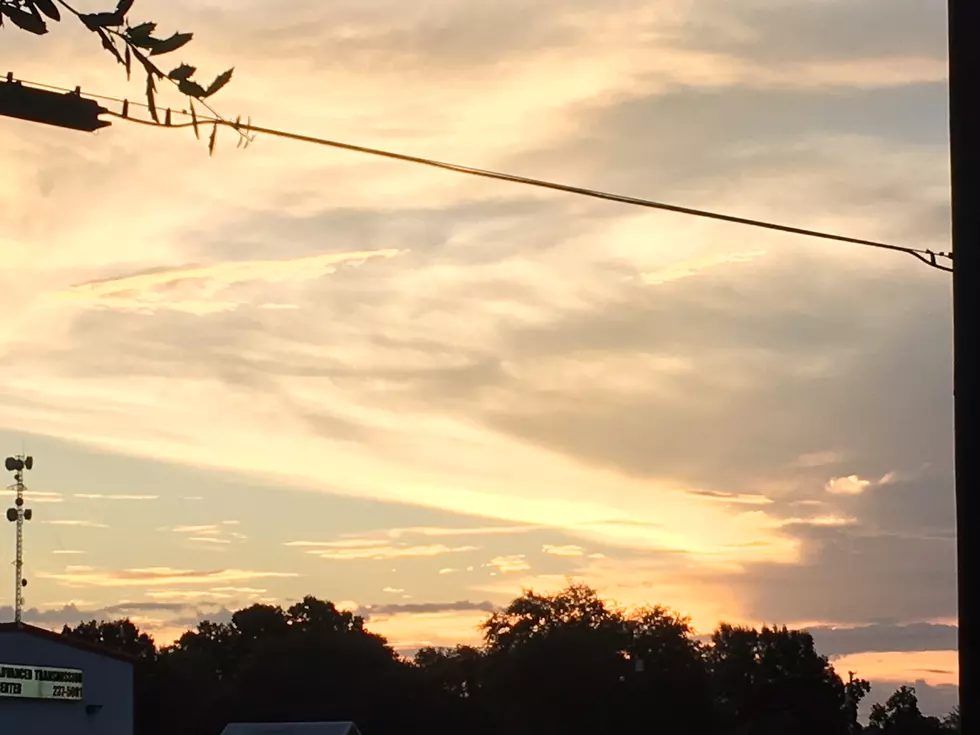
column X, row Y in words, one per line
column 18, row 681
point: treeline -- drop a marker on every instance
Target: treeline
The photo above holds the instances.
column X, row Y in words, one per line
column 549, row 664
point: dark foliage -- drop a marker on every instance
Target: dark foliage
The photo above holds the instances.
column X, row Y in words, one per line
column 140, row 45
column 565, row 663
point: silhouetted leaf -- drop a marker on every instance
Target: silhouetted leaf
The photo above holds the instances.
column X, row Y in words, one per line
column 169, row 45
column 124, row 7
column 109, row 46
column 94, row 21
column 190, row 88
column 48, row 8
column 213, row 140
column 151, row 88
column 184, row 71
column 248, row 133
column 24, row 20
column 150, row 67
column 142, row 35
column 129, row 63
column 218, row 84
column 197, row 128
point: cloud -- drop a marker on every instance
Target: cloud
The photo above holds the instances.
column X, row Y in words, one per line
column 376, row 551
column 852, row 485
column 510, row 564
column 568, row 550
column 426, row 608
column 883, row 637
column 187, row 594
column 149, row 615
column 33, row 496
column 439, row 531
column 96, row 496
column 687, row 269
column 209, row 529
column 159, row 576
column 196, row 289
column 75, row 524
column 67, row 552
column 732, row 498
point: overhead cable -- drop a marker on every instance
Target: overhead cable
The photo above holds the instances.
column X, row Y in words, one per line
column 929, row 257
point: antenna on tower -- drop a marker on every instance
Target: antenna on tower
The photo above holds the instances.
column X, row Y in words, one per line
column 18, row 514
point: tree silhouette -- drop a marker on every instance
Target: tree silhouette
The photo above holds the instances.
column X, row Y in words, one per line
column 900, row 715
column 773, row 680
column 566, row 663
column 120, row 635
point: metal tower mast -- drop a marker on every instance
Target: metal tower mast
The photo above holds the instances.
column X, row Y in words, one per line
column 18, row 514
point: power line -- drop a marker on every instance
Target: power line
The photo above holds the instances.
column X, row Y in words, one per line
column 929, row 257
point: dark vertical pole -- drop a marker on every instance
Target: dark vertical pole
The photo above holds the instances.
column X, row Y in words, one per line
column 964, row 88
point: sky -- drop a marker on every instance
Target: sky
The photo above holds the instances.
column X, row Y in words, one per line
column 291, row 370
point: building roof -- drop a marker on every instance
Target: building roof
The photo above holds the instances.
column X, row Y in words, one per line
column 293, row 728
column 50, row 635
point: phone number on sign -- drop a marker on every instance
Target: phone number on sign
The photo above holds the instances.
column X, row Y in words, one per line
column 62, row 692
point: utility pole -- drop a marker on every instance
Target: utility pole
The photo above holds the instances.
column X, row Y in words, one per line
column 964, row 87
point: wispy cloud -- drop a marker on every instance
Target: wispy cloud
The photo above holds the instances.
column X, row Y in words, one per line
column 567, row 550
column 510, row 564
column 96, row 496
column 690, row 268
column 34, row 496
column 427, row 608
column 67, row 552
column 209, row 529
column 75, row 523
column 443, row 531
column 187, row 595
column 197, row 289
column 733, row 498
column 371, row 549
column 241, row 590
column 157, row 576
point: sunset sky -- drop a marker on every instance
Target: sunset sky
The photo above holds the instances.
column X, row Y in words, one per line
column 291, row 370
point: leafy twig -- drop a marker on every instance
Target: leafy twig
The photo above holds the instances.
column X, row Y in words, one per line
column 126, row 43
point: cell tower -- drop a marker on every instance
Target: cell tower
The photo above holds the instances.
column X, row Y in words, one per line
column 18, row 515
